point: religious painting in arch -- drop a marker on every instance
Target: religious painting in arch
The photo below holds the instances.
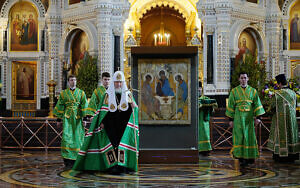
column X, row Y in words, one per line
column 294, row 27
column 24, row 80
column 247, row 48
column 164, row 86
column 23, row 27
column 79, row 50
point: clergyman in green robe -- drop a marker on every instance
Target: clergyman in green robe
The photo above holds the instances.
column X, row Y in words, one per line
column 71, row 107
column 112, row 142
column 283, row 139
column 98, row 94
column 206, row 106
column 243, row 107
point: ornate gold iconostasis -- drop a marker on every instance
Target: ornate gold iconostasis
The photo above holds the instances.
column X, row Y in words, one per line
column 155, row 23
column 23, row 27
column 294, row 27
column 24, row 88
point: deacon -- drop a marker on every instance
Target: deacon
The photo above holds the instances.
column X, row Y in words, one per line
column 98, row 94
column 244, row 108
column 283, row 139
column 71, row 107
column 112, row 142
column 206, row 107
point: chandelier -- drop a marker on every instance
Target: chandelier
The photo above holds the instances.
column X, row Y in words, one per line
column 162, row 38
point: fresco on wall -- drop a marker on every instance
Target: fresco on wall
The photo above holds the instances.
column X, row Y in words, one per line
column 79, row 50
column 23, row 21
column 247, row 47
column 294, row 23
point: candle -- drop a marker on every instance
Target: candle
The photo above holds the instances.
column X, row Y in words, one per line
column 155, row 83
column 159, row 38
column 52, row 69
column 155, row 39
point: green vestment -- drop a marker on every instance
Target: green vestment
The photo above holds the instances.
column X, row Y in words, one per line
column 71, row 107
column 97, row 152
column 243, row 106
column 206, row 106
column 283, row 139
column 95, row 100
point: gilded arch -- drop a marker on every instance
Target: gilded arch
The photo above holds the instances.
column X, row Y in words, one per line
column 138, row 8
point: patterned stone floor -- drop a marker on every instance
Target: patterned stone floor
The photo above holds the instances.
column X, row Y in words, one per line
column 38, row 169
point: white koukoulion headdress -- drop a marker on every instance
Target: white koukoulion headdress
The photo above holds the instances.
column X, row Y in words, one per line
column 112, row 102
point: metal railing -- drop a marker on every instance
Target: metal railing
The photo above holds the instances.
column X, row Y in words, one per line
column 30, row 133
column 43, row 133
column 221, row 133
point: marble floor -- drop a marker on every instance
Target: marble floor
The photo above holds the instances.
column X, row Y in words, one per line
column 39, row 169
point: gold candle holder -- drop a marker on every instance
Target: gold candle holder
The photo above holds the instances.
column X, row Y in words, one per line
column 51, row 84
